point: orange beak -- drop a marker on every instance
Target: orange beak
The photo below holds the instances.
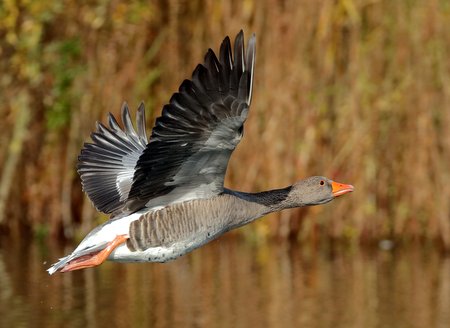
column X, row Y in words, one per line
column 339, row 189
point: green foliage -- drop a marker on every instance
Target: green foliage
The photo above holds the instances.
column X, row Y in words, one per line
column 63, row 58
column 41, row 231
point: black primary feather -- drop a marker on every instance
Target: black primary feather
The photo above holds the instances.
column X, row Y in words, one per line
column 193, row 139
column 190, row 144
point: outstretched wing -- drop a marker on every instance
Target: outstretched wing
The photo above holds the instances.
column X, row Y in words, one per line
column 106, row 166
column 190, row 145
column 193, row 139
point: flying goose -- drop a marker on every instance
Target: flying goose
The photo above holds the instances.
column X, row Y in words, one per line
column 166, row 196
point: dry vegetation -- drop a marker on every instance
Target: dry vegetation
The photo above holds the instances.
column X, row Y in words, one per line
column 357, row 90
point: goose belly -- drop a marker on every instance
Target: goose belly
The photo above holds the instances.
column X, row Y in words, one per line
column 170, row 232
column 164, row 234
column 163, row 253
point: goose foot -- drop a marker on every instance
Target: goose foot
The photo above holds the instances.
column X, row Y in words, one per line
column 94, row 259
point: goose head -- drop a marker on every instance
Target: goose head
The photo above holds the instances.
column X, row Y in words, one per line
column 315, row 191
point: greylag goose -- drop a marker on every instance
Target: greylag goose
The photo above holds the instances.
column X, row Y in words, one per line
column 166, row 196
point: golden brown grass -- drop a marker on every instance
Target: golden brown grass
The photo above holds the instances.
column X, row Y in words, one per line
column 354, row 90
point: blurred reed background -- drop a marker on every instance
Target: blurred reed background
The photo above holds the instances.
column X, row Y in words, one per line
column 357, row 90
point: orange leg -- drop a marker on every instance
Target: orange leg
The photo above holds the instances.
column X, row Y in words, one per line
column 96, row 259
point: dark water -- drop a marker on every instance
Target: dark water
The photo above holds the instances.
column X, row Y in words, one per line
column 230, row 283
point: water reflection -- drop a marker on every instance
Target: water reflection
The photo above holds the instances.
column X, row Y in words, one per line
column 230, row 283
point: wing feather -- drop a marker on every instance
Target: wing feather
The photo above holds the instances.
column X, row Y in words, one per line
column 193, row 139
column 190, row 144
column 106, row 166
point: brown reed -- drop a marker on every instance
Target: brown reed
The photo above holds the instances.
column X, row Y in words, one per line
column 355, row 90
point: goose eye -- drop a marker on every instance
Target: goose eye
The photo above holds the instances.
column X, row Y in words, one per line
column 322, row 182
